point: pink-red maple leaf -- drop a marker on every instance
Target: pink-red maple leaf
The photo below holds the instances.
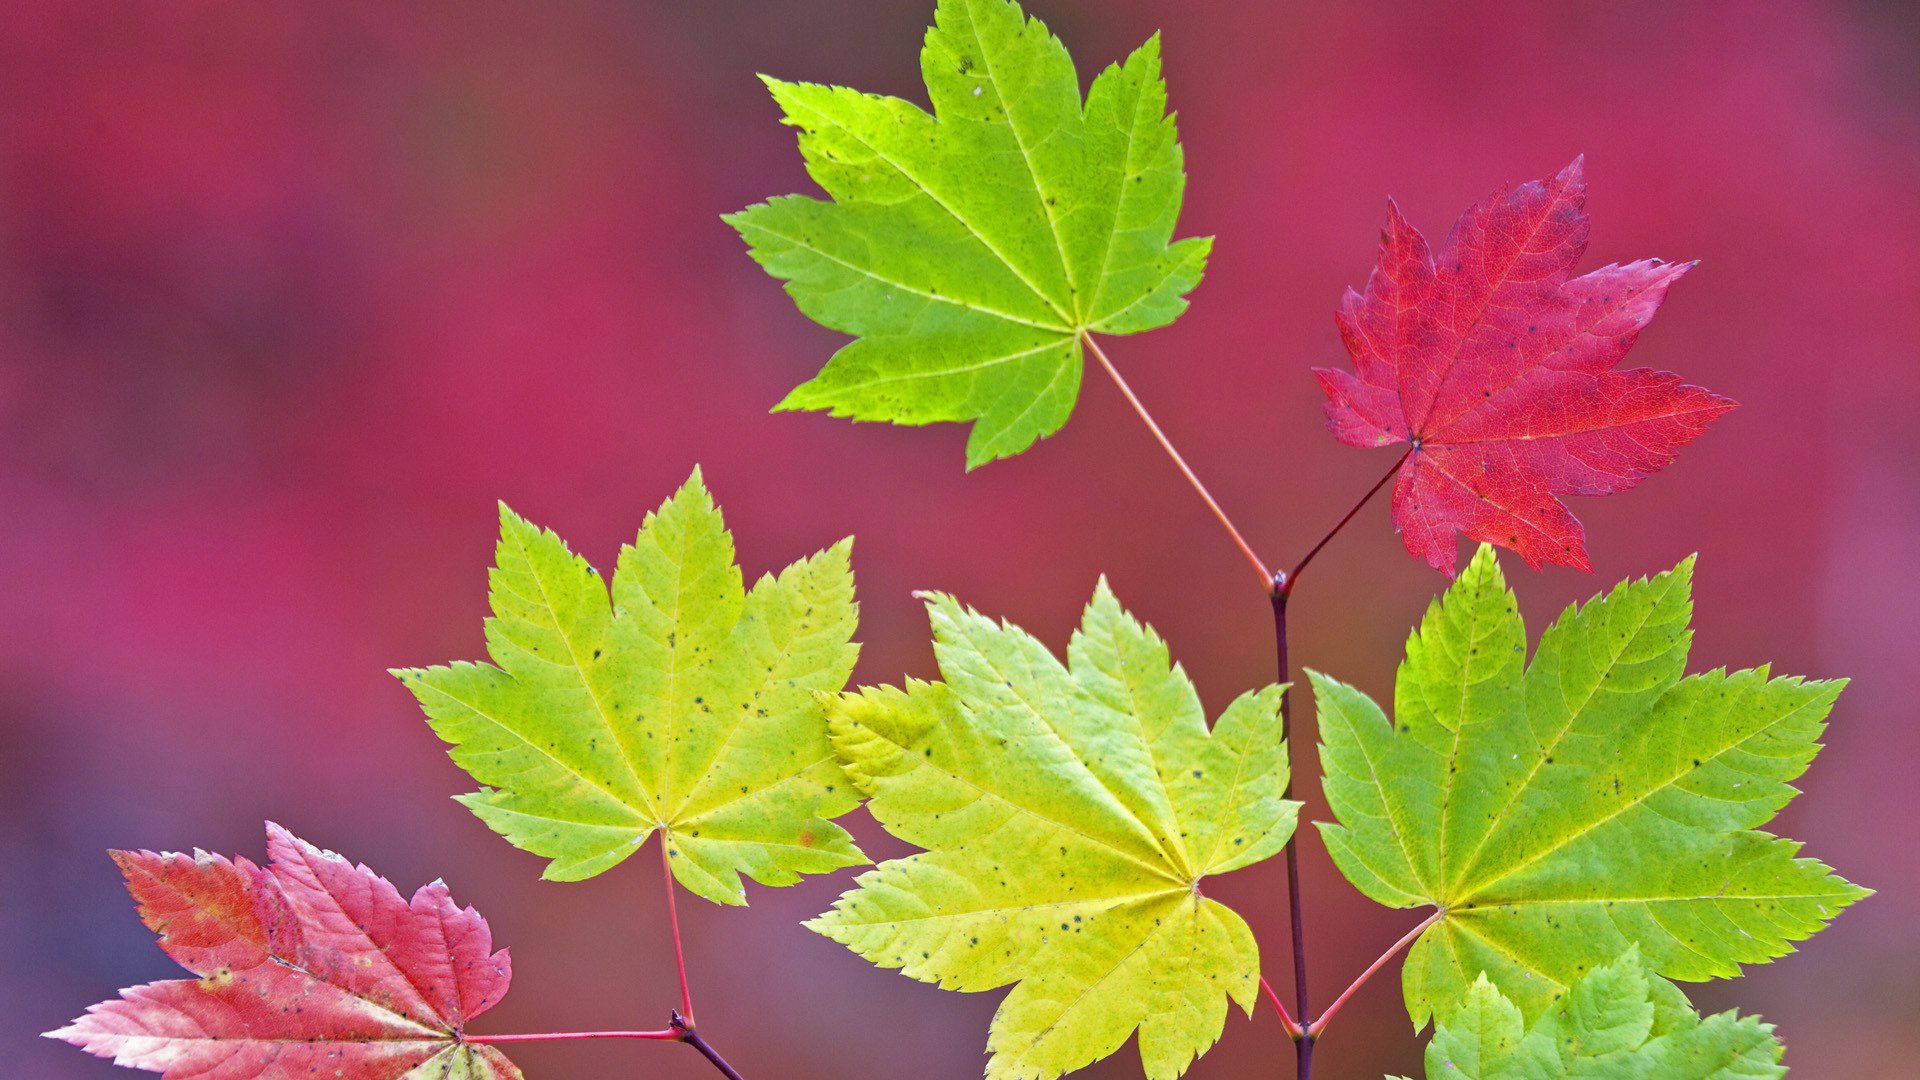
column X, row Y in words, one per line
column 310, row 966
column 1496, row 364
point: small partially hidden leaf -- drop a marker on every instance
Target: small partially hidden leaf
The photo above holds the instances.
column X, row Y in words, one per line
column 1560, row 811
column 685, row 704
column 1616, row 1023
column 310, row 966
column 1069, row 814
column 970, row 250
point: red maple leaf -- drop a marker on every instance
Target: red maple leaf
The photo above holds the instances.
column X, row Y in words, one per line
column 309, row 967
column 1497, row 365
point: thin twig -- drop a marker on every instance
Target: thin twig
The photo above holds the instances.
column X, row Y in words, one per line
column 1287, row 1021
column 673, row 919
column 665, row 1035
column 1303, row 1045
column 1266, row 576
column 1314, row 1029
column 1286, row 583
column 692, row 1038
column 680, row 1030
column 1281, row 588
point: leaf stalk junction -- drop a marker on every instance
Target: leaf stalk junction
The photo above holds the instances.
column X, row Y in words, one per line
column 1306, row 1029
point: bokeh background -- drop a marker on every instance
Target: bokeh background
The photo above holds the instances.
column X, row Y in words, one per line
column 291, row 293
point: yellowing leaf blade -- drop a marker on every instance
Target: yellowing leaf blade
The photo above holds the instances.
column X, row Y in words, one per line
column 1068, row 814
column 676, row 700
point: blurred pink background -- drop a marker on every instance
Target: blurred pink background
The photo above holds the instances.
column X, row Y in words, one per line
column 291, row 293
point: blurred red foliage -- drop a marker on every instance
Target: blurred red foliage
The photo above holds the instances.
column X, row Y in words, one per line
column 290, row 293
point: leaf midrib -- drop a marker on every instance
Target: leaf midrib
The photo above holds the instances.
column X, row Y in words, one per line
column 978, row 365
column 942, row 204
column 1387, row 804
column 1517, row 514
column 782, row 642
column 1159, row 929
column 1583, row 330
column 1026, row 156
column 1038, row 714
column 1121, row 195
column 1705, row 759
column 1114, row 901
column 1157, row 870
column 1469, row 929
column 1135, row 715
column 618, row 798
column 1475, row 618
column 444, row 1043
column 1573, row 718
column 1688, row 409
column 1473, row 322
column 895, row 283
column 573, row 658
column 398, row 1017
column 406, row 976
column 1720, row 895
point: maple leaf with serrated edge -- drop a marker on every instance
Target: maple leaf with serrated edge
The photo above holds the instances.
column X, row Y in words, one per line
column 685, row 705
column 1497, row 366
column 970, row 250
column 309, row 966
column 1559, row 811
column 1069, row 813
column 1616, row 1023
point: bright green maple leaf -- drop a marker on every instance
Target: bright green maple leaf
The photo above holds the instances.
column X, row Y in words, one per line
column 1560, row 811
column 685, row 704
column 1069, row 813
column 1615, row 1023
column 970, row 250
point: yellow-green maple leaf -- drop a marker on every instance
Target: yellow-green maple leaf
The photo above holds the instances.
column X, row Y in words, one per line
column 1558, row 812
column 1069, row 814
column 684, row 704
column 971, row 250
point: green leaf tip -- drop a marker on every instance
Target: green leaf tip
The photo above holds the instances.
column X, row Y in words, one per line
column 1067, row 813
column 1561, row 809
column 969, row 249
column 1617, row 1022
column 668, row 698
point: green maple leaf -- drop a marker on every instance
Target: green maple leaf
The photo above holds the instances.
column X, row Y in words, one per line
column 1560, row 811
column 1069, row 814
column 1615, row 1023
column 970, row 250
column 685, row 704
